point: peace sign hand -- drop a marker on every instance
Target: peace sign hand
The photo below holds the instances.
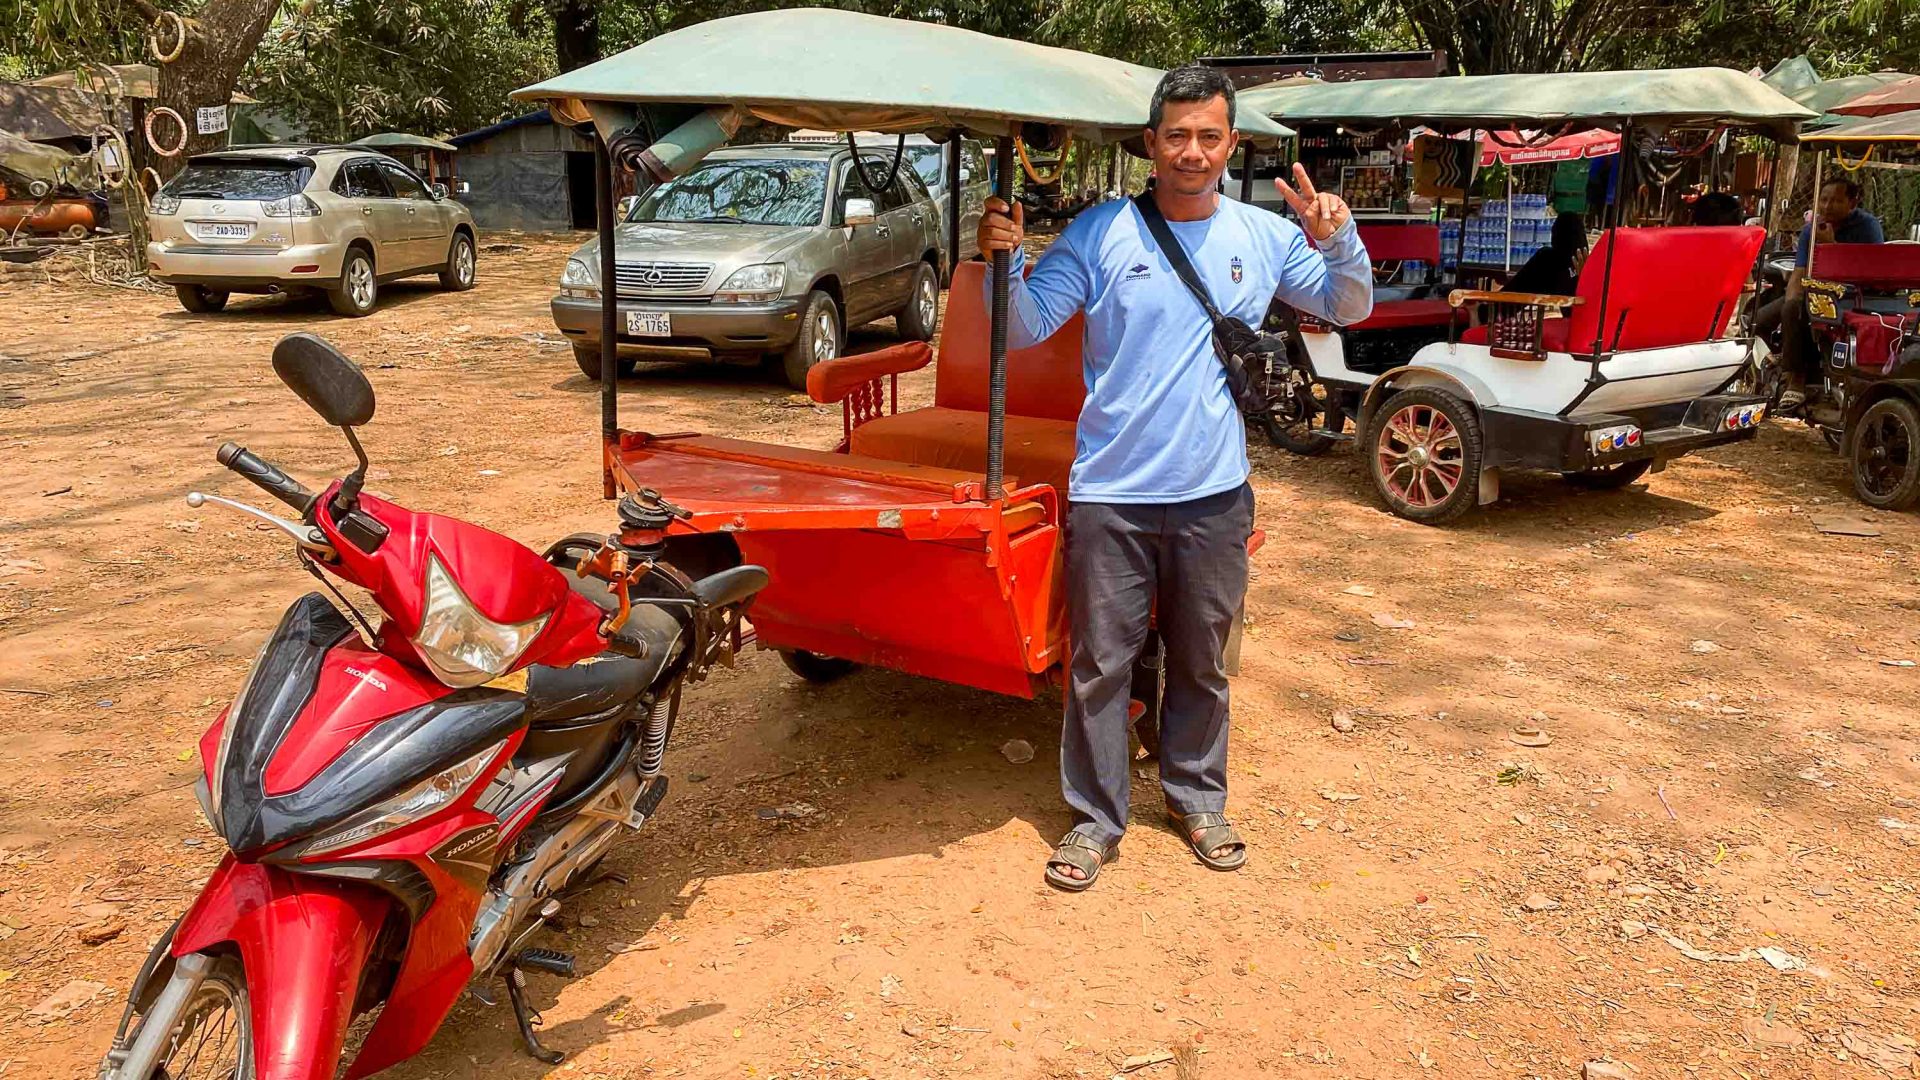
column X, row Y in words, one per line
column 1321, row 214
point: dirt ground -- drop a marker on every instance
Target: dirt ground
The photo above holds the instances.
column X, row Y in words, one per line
column 1732, row 766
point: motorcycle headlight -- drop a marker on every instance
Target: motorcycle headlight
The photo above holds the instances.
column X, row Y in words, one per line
column 409, row 806
column 462, row 646
column 753, row 284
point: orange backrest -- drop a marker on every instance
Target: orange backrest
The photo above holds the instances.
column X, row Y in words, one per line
column 1872, row 266
column 1045, row 380
column 1385, row 243
column 1670, row 286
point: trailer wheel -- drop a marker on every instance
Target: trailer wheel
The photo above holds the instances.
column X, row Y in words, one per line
column 1609, row 477
column 1886, row 455
column 1423, row 452
column 814, row 667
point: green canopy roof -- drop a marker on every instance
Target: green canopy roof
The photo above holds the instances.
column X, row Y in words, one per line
column 400, row 140
column 1893, row 128
column 1793, row 73
column 1821, row 97
column 1596, row 98
column 842, row 70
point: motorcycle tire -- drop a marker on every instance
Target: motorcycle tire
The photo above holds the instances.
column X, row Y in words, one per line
column 221, row 1009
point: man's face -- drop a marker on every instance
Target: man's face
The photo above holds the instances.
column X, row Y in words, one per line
column 1191, row 146
column 1835, row 203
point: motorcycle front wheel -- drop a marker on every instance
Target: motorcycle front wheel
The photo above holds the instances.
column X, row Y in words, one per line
column 1310, row 435
column 214, row 1037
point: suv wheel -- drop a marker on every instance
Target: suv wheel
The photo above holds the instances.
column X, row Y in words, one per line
column 459, row 272
column 818, row 339
column 359, row 289
column 199, row 299
column 921, row 317
column 588, row 358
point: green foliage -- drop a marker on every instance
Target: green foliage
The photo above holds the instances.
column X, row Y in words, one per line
column 348, row 68
column 41, row 37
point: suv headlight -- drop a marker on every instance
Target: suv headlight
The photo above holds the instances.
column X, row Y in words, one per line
column 409, row 806
column 462, row 646
column 577, row 280
column 753, row 284
column 293, row 206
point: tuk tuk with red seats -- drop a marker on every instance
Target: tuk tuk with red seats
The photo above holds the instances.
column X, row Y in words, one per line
column 929, row 541
column 1863, row 301
column 1633, row 369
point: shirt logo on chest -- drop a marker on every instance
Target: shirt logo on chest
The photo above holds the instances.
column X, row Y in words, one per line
column 1239, row 271
column 1138, row 272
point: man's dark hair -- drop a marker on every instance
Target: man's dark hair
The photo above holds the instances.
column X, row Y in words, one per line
column 1717, row 208
column 1187, row 83
column 1569, row 233
column 1848, row 184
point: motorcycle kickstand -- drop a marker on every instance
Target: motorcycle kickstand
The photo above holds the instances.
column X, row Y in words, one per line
column 527, row 1016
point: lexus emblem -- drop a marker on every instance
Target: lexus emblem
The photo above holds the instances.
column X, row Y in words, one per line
column 219, row 209
column 652, row 276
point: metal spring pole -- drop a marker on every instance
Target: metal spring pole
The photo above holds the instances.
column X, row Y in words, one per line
column 609, row 301
column 1621, row 192
column 1003, row 167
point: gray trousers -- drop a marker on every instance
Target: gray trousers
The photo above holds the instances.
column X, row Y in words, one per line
column 1190, row 558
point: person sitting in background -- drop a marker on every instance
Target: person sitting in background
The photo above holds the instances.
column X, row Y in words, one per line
column 1839, row 220
column 1555, row 269
column 1717, row 208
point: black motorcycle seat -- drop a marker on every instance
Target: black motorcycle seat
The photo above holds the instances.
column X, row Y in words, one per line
column 730, row 586
column 648, row 630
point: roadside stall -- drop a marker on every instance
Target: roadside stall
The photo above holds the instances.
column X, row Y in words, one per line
column 1864, row 306
column 1602, row 385
column 931, row 542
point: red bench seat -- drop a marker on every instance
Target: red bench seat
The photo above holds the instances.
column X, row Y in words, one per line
column 1407, row 315
column 1045, row 389
column 1671, row 286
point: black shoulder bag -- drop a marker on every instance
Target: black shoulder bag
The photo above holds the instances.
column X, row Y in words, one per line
column 1250, row 358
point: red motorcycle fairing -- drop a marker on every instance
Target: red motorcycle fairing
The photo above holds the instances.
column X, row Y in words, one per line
column 356, row 690
column 303, row 942
column 505, row 580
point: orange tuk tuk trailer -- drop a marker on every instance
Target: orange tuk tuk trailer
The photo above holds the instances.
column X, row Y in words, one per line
column 930, row 542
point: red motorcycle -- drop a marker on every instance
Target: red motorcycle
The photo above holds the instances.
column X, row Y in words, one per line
column 405, row 804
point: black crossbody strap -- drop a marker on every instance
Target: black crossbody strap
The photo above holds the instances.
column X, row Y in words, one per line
column 1176, row 254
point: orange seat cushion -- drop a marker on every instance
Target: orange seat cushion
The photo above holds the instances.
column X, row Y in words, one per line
column 1038, row 450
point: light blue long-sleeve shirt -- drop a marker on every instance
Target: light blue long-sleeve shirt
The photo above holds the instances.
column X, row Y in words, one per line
column 1159, row 424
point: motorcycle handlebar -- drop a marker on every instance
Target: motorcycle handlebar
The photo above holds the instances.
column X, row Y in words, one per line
column 265, row 476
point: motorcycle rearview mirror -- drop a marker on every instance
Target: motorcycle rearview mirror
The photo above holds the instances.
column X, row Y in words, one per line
column 325, row 379
column 334, row 387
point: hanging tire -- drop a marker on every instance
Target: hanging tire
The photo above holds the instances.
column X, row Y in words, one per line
column 814, row 667
column 1423, row 451
column 214, row 1036
column 819, row 338
column 359, row 288
column 1609, row 477
column 462, row 264
column 920, row 319
column 587, row 358
column 1886, row 455
column 199, row 299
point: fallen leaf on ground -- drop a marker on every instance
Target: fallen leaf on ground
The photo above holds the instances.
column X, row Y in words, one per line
column 1386, row 620
column 1357, row 590
column 1018, row 751
column 1141, row 1061
column 65, row 1001
column 1844, row 525
column 1893, row 1053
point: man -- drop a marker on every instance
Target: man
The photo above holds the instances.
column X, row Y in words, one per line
column 1839, row 221
column 1161, row 507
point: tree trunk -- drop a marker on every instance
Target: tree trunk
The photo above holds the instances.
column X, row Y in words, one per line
column 576, row 32
column 221, row 38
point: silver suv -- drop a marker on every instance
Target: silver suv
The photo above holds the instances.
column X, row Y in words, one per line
column 337, row 220
column 762, row 251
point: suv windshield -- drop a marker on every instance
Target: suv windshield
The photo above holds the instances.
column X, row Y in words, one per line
column 750, row 191
column 262, row 181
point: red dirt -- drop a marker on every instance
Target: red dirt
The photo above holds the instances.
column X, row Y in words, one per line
column 1756, row 792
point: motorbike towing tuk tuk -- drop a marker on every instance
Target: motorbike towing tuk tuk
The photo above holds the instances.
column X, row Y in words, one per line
column 1633, row 369
column 1863, row 303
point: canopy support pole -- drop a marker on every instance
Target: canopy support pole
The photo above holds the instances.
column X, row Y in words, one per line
column 1621, row 186
column 1813, row 232
column 1507, row 255
column 954, row 149
column 609, row 310
column 1246, row 172
column 997, row 336
column 1466, row 207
